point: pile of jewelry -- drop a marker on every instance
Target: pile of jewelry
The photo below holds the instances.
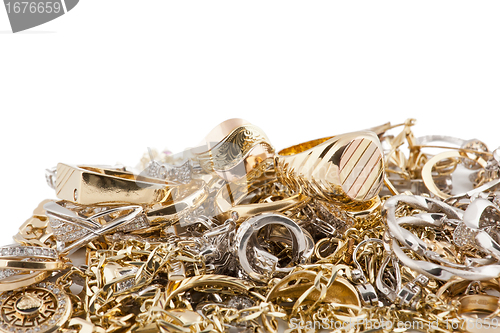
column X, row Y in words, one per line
column 376, row 230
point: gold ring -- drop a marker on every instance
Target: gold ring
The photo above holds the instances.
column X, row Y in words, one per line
column 456, row 287
column 478, row 303
column 183, row 200
column 236, row 149
column 344, row 168
column 90, row 185
column 427, row 170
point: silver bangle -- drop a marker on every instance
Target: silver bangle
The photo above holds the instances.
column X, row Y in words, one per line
column 465, row 225
column 265, row 262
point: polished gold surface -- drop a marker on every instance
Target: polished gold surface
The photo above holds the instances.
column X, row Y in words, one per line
column 243, row 148
column 345, row 167
column 245, row 211
column 183, row 200
column 478, row 303
column 22, row 280
column 339, row 291
column 32, row 265
column 90, row 185
column 41, row 308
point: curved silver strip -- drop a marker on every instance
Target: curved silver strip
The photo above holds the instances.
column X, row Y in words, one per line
column 246, row 234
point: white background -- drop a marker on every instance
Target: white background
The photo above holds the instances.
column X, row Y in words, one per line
column 112, row 77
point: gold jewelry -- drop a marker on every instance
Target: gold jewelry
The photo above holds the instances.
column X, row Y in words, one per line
column 44, row 307
column 35, row 230
column 343, row 168
column 235, row 149
column 478, row 303
column 184, row 199
column 73, row 230
column 427, row 170
column 339, row 291
column 22, row 280
column 32, row 265
column 176, row 287
column 91, row 185
column 233, row 237
column 245, row 211
column 455, row 288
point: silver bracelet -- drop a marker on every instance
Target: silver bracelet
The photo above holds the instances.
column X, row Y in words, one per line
column 466, row 232
column 263, row 262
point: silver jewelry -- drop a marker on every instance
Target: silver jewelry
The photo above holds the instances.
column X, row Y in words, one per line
column 182, row 173
column 215, row 245
column 50, row 177
column 73, row 231
column 426, row 139
column 477, row 192
column 389, row 291
column 28, row 252
column 441, row 215
column 261, row 263
column 365, row 289
column 411, row 292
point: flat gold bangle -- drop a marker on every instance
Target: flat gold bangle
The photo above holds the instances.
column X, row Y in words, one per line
column 90, row 185
column 246, row 211
column 245, row 167
column 32, row 265
column 22, row 280
column 343, row 168
column 221, row 131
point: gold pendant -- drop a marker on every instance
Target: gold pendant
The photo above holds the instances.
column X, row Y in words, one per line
column 41, row 308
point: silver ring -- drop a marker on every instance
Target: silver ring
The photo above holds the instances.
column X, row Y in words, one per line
column 302, row 246
column 426, row 139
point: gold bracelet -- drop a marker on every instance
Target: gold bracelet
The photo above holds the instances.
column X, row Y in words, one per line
column 91, row 185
